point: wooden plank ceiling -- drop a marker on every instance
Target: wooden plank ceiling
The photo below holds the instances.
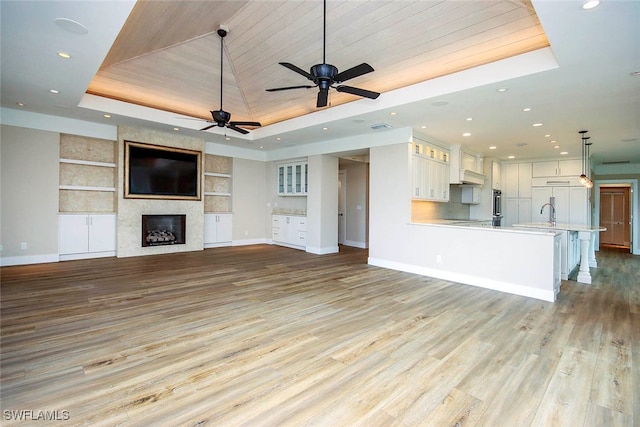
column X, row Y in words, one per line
column 167, row 55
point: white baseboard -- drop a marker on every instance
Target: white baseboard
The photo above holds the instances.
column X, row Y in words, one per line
column 361, row 245
column 247, row 242
column 30, row 259
column 322, row 251
column 87, row 255
column 481, row 282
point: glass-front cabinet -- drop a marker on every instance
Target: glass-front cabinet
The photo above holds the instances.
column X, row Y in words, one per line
column 293, row 179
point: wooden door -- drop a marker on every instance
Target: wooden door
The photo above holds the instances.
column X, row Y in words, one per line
column 615, row 216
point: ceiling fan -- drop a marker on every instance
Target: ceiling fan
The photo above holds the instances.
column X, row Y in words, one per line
column 325, row 76
column 222, row 118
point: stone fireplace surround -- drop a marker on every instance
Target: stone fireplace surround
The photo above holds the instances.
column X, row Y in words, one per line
column 130, row 211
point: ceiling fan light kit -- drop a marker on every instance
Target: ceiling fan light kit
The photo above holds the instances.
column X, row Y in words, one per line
column 220, row 117
column 326, row 76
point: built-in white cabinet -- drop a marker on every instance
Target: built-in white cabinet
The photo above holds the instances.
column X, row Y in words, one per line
column 86, row 236
column 430, row 169
column 516, row 211
column 557, row 168
column 496, row 175
column 466, row 167
column 572, row 204
column 289, row 230
column 517, row 180
column 293, row 179
column 217, row 229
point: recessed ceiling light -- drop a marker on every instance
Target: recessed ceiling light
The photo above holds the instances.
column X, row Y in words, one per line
column 556, row 146
column 176, row 129
column 564, row 152
column 493, row 147
column 278, row 139
column 526, row 109
column 635, row 73
column 502, row 89
column 393, row 113
column 423, row 127
column 107, row 116
column 535, row 125
column 228, row 138
column 469, row 119
column 261, row 147
column 466, row 134
column 20, row 104
column 64, row 55
column 547, row 135
column 511, row 157
column 590, row 4
column 553, row 141
column 54, row 91
column 325, row 128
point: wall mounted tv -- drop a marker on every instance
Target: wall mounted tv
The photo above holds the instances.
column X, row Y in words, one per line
column 155, row 172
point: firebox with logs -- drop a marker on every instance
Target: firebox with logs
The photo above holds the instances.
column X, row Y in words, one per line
column 160, row 230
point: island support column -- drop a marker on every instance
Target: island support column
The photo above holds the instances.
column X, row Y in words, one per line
column 584, row 275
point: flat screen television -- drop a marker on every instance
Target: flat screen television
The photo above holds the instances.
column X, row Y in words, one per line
column 155, row 172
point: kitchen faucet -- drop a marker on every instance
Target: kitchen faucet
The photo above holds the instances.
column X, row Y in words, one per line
column 552, row 213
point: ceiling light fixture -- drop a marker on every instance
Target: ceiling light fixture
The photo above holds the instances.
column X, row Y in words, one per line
column 564, row 153
column 493, row 147
column 466, row 134
column 54, row 91
column 526, row 109
column 535, row 125
column 511, row 157
column 64, row 55
column 584, row 178
column 502, row 89
column 20, row 104
column 106, row 116
column 590, row 4
column 469, row 119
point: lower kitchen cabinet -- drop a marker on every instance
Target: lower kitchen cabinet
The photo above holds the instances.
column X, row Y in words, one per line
column 217, row 230
column 86, row 236
column 289, row 230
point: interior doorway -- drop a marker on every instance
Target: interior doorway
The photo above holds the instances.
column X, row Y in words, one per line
column 342, row 203
column 615, row 216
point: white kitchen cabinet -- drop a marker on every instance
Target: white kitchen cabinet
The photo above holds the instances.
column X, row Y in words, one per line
column 557, row 168
column 431, row 177
column 496, row 175
column 541, row 195
column 217, row 229
column 289, row 230
column 86, row 236
column 516, row 211
column 293, row 179
column 466, row 167
column 517, row 180
column 579, row 202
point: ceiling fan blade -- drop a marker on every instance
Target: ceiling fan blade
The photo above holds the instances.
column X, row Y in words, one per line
column 296, row 69
column 244, row 124
column 323, row 95
column 237, row 129
column 357, row 91
column 352, row 72
column 289, row 87
column 209, row 127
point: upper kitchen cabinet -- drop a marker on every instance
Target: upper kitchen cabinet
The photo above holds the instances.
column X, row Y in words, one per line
column 496, row 175
column 430, row 164
column 557, row 168
column 466, row 166
column 293, row 179
column 517, row 180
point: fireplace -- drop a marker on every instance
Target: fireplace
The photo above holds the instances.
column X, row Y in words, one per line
column 160, row 230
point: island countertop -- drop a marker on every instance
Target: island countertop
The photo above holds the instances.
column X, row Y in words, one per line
column 567, row 227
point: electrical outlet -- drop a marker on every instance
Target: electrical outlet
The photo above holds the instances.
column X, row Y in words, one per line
column 23, row 246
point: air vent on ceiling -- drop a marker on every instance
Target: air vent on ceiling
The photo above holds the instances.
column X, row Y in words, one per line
column 380, row 126
column 616, row 162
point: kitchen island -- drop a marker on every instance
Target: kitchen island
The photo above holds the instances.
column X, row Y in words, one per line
column 517, row 261
column 571, row 254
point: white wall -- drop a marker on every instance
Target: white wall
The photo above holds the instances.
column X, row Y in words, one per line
column 249, row 198
column 29, row 192
column 322, row 205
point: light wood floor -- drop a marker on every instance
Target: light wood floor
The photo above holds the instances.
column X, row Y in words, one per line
column 266, row 336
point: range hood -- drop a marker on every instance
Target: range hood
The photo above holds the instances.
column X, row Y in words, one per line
column 466, row 166
column 468, row 176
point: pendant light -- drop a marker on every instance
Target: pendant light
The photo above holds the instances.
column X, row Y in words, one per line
column 584, row 178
